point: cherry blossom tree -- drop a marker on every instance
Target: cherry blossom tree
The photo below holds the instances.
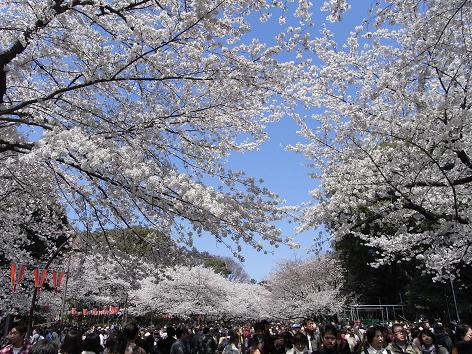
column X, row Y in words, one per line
column 185, row 291
column 301, row 289
column 296, row 290
column 199, row 290
column 392, row 144
column 131, row 107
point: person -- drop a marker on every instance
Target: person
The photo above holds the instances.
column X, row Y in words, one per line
column 116, row 343
column 148, row 343
column 463, row 340
column 44, row 346
column 16, row 339
column 164, row 345
column 246, row 338
column 300, row 344
column 352, row 339
column 442, row 337
column 36, row 337
column 329, row 341
column 375, row 341
column 72, row 343
column 428, row 343
column 312, row 335
column 232, row 347
column 179, row 346
column 279, row 344
column 53, row 336
column 131, row 331
column 257, row 345
column 206, row 344
column 261, row 340
column 296, row 328
column 91, row 344
column 400, row 344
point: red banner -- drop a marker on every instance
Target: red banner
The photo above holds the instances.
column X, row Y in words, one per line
column 54, row 280
column 43, row 277
column 61, row 277
column 36, row 277
column 16, row 280
column 20, row 275
column 12, row 275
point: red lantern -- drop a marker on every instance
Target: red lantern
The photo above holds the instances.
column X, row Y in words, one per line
column 17, row 281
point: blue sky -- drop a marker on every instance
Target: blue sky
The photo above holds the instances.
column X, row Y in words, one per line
column 284, row 172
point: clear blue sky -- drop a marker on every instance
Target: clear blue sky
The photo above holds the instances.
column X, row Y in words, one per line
column 284, row 172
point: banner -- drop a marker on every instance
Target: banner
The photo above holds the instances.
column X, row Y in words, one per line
column 61, row 277
column 16, row 280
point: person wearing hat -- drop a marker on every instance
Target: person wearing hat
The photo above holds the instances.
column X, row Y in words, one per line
column 296, row 328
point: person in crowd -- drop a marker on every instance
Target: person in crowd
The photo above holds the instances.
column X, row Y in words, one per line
column 312, row 335
column 400, row 344
column 442, row 337
column 257, row 345
column 330, row 341
column 296, row 328
column 352, row 339
column 148, row 343
column 179, row 345
column 164, row 345
column 246, row 338
column 131, row 331
column 44, row 347
column 16, row 339
column 232, row 347
column 463, row 340
column 414, row 335
column 343, row 344
column 116, row 343
column 279, row 344
column 72, row 342
column 91, row 344
column 36, row 337
column 375, row 341
column 359, row 330
column 206, row 344
column 53, row 336
column 300, row 344
column 261, row 340
column 103, row 336
column 429, row 344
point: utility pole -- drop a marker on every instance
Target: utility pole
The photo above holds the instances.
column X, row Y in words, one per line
column 125, row 315
column 65, row 291
column 454, row 297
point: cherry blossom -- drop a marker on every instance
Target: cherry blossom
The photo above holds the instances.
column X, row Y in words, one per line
column 391, row 145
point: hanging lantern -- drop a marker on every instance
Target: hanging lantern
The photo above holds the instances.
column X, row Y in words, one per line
column 15, row 281
column 61, row 277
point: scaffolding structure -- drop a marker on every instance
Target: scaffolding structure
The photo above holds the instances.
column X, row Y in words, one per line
column 376, row 313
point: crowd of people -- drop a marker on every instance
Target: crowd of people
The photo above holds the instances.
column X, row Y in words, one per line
column 259, row 338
